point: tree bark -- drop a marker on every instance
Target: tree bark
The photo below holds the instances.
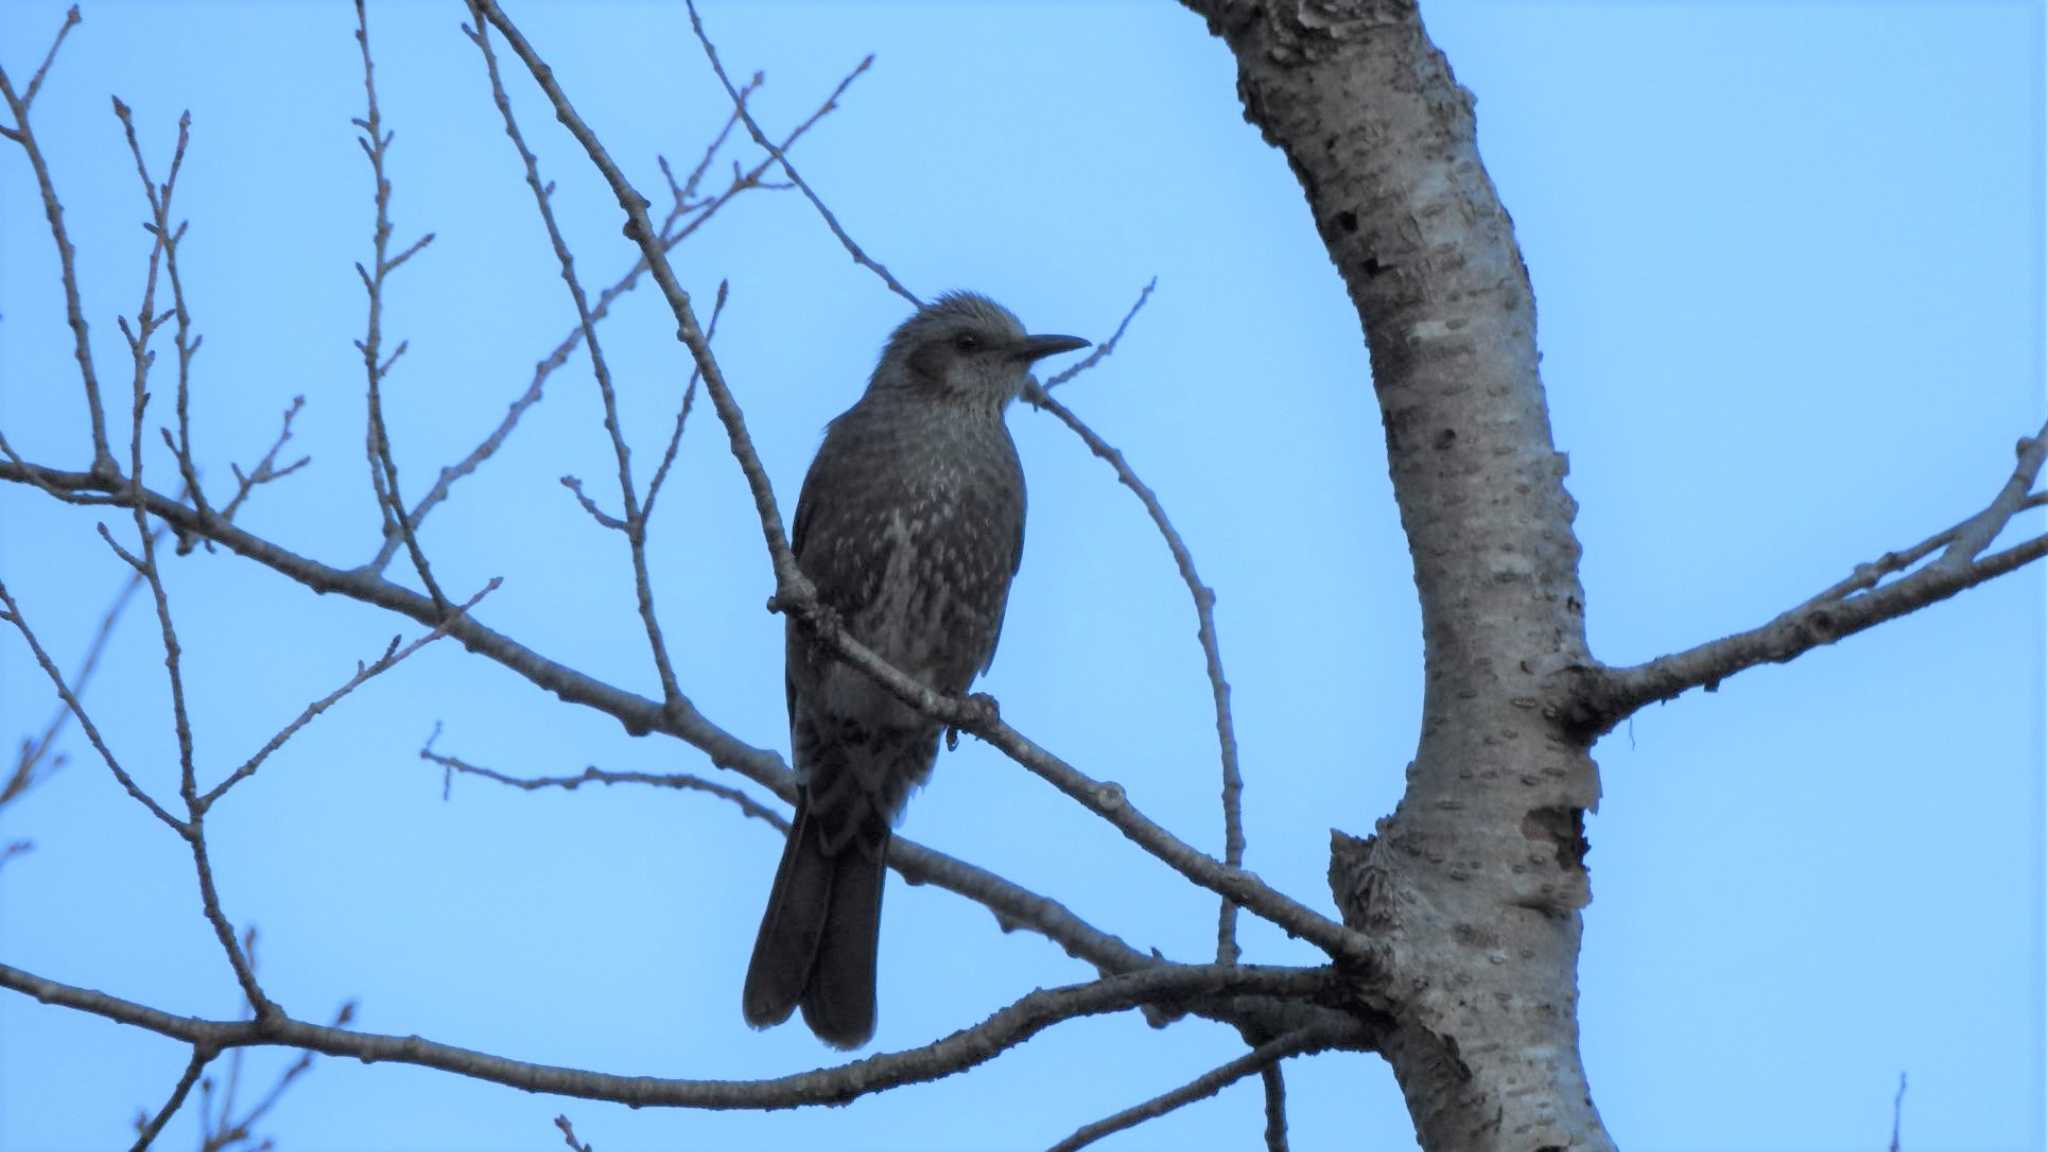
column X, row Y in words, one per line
column 1477, row 879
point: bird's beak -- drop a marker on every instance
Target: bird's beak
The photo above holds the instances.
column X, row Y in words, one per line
column 1032, row 348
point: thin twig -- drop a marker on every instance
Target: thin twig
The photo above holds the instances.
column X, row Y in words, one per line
column 700, row 213
column 1898, row 1111
column 266, row 469
column 1596, row 699
column 452, row 765
column 569, row 1135
column 1205, row 622
column 202, row 1055
column 147, row 321
column 1275, row 1083
column 167, row 237
column 675, row 438
column 34, row 752
column 383, row 466
column 53, row 211
column 761, row 138
column 392, row 656
column 1101, row 351
column 1303, row 1042
column 634, row 524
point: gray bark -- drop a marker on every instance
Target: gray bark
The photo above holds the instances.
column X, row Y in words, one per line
column 1477, row 879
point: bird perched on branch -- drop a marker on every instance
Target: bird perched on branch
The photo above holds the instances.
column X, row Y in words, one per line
column 910, row 524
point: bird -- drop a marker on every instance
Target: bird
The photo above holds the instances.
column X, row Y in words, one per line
column 910, row 525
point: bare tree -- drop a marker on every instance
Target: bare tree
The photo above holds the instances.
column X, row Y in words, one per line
column 1451, row 947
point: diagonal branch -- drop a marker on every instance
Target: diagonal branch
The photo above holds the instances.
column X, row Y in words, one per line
column 1600, row 698
column 761, row 138
column 148, row 1130
column 675, row 439
column 634, row 522
column 1304, row 1042
column 392, row 655
column 14, row 616
column 1100, row 352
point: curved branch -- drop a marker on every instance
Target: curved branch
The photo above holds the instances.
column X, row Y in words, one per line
column 957, row 1052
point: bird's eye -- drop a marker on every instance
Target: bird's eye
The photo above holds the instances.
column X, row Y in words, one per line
column 966, row 342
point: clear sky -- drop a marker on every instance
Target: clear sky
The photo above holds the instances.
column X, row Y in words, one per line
column 1788, row 260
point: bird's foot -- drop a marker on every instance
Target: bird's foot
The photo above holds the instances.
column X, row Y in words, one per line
column 976, row 711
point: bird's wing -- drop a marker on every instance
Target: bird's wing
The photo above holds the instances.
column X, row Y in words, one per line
column 1016, row 562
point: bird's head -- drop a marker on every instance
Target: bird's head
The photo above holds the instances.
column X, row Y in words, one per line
column 964, row 349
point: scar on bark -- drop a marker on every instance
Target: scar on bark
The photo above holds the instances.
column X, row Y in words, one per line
column 1565, row 829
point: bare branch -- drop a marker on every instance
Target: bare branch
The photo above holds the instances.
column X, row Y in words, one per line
column 15, row 616
column 1097, row 354
column 700, row 213
column 675, row 438
column 761, row 138
column 635, row 524
column 266, row 469
column 383, row 467
column 1898, row 1111
column 1205, row 618
column 34, row 753
column 35, row 83
column 1013, row 905
column 748, row 806
column 575, row 485
column 838, row 1084
column 1268, row 1055
column 1974, row 535
column 146, row 1135
column 53, row 210
column 1275, row 1083
column 569, row 1135
column 167, row 238
column 192, row 828
column 364, row 673
column 1600, row 698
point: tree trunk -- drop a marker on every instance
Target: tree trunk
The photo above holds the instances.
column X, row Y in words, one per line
column 1477, row 879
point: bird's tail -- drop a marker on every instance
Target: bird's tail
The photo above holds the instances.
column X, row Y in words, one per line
column 818, row 937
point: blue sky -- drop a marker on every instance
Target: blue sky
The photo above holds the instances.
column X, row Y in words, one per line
column 1788, row 262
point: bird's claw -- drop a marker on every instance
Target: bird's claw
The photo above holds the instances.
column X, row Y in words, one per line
column 976, row 711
